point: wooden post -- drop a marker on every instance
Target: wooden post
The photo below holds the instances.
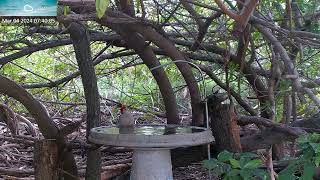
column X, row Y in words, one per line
column 46, row 160
column 224, row 126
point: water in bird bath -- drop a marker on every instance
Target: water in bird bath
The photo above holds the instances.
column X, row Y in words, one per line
column 149, row 130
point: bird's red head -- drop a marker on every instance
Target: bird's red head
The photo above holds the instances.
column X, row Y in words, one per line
column 123, row 108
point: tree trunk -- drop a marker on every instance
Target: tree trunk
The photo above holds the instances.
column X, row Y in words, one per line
column 224, row 127
column 46, row 160
column 81, row 43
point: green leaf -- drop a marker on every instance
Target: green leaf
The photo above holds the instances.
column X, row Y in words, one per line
column 303, row 139
column 101, row 7
column 224, row 156
column 138, row 5
column 308, row 171
column 210, row 164
column 226, row 167
column 234, row 163
column 314, row 137
column 308, row 154
column 253, row 164
column 303, row 146
column 261, row 173
column 66, row 10
column 288, row 173
column 246, row 174
column 317, row 160
column 232, row 178
column 233, row 172
column 218, row 171
column 315, row 147
column 244, row 160
column 287, row 177
column 222, row 169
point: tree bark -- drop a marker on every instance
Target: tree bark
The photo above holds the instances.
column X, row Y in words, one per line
column 46, row 160
column 311, row 122
column 264, row 140
column 81, row 44
column 224, row 126
column 287, row 108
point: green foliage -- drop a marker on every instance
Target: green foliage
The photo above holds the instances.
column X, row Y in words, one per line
column 303, row 167
column 101, row 7
column 138, row 4
column 310, row 147
column 309, row 7
column 66, row 10
column 232, row 166
column 245, row 165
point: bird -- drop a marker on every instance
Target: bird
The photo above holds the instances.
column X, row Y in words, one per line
column 126, row 119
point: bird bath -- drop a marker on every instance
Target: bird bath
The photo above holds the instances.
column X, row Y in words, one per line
column 151, row 145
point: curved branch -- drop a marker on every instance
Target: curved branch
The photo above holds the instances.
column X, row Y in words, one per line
column 185, row 69
column 36, row 109
column 137, row 43
column 10, row 118
column 245, row 14
column 47, row 127
column 227, row 11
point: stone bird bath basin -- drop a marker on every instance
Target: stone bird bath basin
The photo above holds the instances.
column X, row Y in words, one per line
column 151, row 145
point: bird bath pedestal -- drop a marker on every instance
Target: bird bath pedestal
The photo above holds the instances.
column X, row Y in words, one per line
column 151, row 146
